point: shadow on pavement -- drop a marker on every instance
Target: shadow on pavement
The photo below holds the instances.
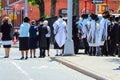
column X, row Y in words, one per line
column 115, row 60
column 117, row 68
column 51, row 60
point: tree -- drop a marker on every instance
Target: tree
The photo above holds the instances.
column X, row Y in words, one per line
column 40, row 3
column 53, row 7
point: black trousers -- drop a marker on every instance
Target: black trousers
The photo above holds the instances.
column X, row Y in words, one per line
column 118, row 50
column 92, row 51
column 86, row 46
column 111, row 47
column 76, row 44
column 42, row 53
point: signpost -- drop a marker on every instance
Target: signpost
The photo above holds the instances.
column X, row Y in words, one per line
column 12, row 16
column 8, row 8
column 97, row 1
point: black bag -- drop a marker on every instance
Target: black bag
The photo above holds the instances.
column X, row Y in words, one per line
column 81, row 44
column 11, row 33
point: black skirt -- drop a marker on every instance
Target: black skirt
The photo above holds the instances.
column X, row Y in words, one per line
column 7, row 46
column 48, row 43
column 33, row 43
column 23, row 43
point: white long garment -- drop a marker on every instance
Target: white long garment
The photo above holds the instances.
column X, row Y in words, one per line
column 93, row 33
column 103, row 31
column 60, row 32
column 85, row 28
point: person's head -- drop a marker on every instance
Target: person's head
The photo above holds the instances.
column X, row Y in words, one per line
column 112, row 18
column 26, row 19
column 106, row 14
column 117, row 19
column 33, row 22
column 6, row 20
column 45, row 23
column 84, row 16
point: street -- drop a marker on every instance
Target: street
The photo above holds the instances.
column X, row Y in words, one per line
column 35, row 68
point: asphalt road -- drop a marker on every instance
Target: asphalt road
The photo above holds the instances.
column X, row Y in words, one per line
column 35, row 68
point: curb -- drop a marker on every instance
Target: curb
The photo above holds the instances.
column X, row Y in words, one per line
column 97, row 77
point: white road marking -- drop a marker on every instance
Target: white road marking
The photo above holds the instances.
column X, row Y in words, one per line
column 45, row 67
column 21, row 70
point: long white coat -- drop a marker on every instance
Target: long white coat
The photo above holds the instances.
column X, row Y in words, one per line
column 60, row 32
column 93, row 33
column 103, row 31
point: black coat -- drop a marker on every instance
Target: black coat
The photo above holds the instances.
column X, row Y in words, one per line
column 117, row 32
column 42, row 37
column 6, row 31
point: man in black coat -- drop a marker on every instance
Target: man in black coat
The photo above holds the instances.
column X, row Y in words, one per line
column 117, row 34
column 75, row 35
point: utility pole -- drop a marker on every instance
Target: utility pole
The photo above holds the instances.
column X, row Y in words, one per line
column 96, row 8
column 26, row 8
column 69, row 46
column 7, row 6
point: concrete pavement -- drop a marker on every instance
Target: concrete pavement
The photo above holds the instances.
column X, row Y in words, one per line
column 100, row 68
column 13, row 68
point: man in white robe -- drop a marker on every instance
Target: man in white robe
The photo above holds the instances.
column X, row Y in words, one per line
column 104, row 33
column 60, row 32
column 84, row 28
column 93, row 35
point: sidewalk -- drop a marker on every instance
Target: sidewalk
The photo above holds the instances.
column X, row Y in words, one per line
column 100, row 68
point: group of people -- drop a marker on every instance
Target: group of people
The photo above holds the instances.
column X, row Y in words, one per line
column 100, row 37
column 31, row 36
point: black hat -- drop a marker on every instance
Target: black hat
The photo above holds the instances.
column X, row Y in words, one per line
column 117, row 19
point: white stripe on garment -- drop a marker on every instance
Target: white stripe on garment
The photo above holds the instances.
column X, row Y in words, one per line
column 7, row 42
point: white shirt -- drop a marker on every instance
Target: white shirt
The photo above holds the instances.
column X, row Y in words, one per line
column 24, row 30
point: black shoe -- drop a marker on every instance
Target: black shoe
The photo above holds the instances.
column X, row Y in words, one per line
column 48, row 55
column 30, row 56
column 26, row 58
column 61, row 55
column 6, row 56
column 34, row 56
column 40, row 57
column 22, row 58
column 56, row 55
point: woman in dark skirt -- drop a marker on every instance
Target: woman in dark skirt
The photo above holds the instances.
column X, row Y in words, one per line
column 33, row 38
column 24, row 37
column 42, row 39
column 6, row 28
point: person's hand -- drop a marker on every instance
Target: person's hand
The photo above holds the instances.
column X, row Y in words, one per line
column 117, row 44
column 108, row 37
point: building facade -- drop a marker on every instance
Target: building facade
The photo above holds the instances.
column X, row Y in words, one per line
column 17, row 8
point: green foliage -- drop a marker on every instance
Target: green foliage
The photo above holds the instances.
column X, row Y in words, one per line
column 45, row 16
column 32, row 2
